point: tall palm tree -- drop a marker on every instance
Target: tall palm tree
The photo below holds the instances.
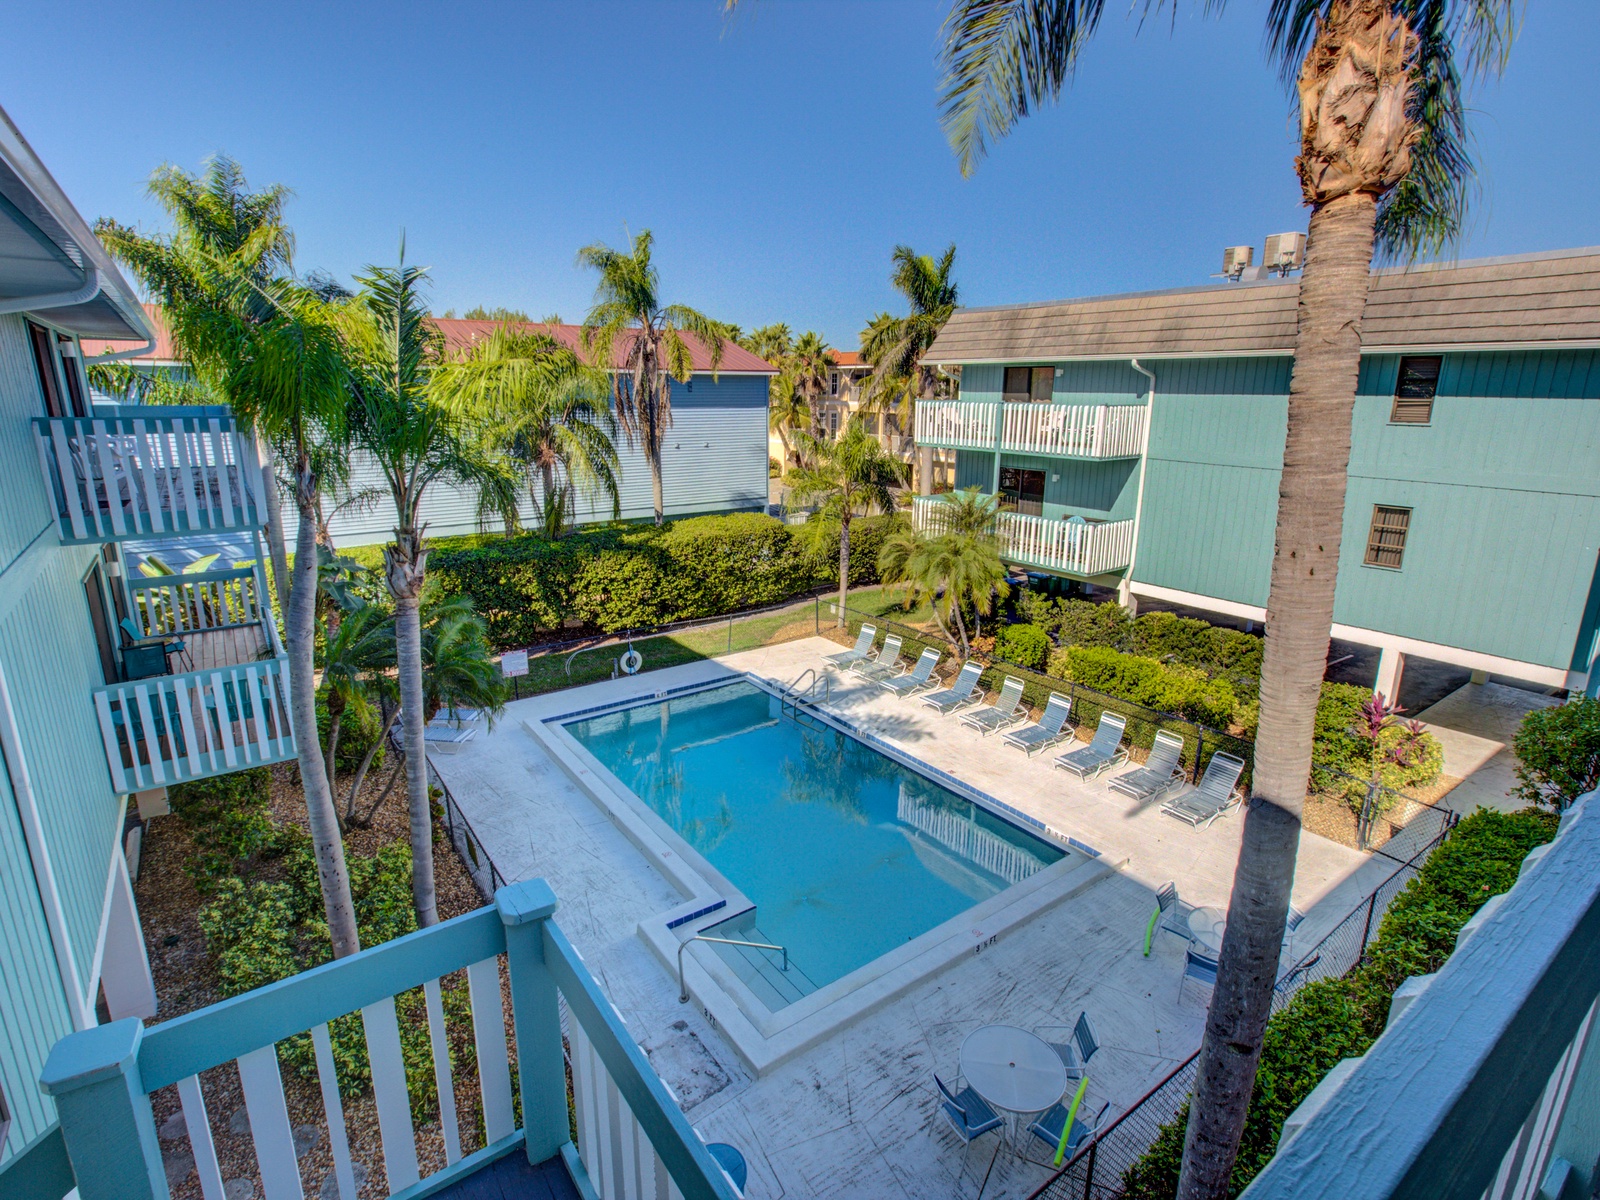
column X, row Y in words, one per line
column 1384, row 166
column 806, row 368
column 544, row 409
column 956, row 559
column 788, row 414
column 771, row 342
column 849, row 478
column 224, row 239
column 654, row 350
column 355, row 661
column 415, row 441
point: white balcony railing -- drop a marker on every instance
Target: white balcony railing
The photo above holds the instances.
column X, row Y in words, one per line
column 170, row 728
column 138, row 472
column 1078, row 548
column 186, row 604
column 1061, row 430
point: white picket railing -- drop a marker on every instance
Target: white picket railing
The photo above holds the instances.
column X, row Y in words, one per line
column 1059, row 430
column 169, row 728
column 175, row 604
column 1080, row 548
column 149, row 472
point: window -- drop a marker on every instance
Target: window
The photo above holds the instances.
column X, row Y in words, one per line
column 56, row 357
column 45, row 360
column 1386, row 541
column 1022, row 491
column 72, row 370
column 94, row 591
column 833, row 383
column 1029, row 383
column 1414, row 389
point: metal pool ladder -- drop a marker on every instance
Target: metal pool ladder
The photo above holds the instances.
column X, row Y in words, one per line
column 683, row 988
column 794, row 694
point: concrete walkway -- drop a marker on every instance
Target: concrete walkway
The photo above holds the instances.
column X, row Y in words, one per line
column 1475, row 725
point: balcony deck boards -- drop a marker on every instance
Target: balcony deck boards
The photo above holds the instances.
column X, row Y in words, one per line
column 205, row 650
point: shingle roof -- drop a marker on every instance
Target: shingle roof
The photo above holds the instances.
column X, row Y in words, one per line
column 460, row 333
column 1536, row 299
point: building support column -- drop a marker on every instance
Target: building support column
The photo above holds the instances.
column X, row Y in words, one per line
column 125, row 970
column 1391, row 665
column 924, row 471
column 1126, row 596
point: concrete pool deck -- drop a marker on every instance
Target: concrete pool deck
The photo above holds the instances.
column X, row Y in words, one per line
column 856, row 1114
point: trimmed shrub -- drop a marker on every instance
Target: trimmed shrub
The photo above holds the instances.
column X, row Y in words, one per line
column 1558, row 753
column 1026, row 645
column 1164, row 635
column 229, row 819
column 1331, row 1019
column 1182, row 690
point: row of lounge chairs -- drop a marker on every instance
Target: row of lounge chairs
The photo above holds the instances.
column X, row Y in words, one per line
column 1161, row 773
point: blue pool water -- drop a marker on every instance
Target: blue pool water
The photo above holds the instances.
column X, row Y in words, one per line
column 845, row 853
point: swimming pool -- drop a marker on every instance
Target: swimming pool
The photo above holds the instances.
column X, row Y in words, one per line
column 845, row 853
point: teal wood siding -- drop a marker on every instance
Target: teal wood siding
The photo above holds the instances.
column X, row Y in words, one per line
column 1078, row 383
column 982, row 381
column 1107, row 491
column 1211, row 486
column 974, row 468
column 1505, row 498
column 25, row 512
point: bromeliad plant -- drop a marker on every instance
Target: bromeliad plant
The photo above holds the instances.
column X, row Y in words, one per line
column 1397, row 753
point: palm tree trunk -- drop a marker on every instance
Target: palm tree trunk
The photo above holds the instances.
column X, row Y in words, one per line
column 277, row 548
column 405, row 564
column 301, row 621
column 335, row 719
column 1333, row 296
column 844, row 565
column 655, row 481
column 961, row 626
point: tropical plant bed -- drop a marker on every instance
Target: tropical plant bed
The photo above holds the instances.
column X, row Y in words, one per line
column 1333, row 818
column 187, row 977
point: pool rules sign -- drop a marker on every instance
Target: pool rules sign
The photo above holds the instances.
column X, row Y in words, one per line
column 513, row 663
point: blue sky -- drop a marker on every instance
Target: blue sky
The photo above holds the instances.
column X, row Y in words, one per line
column 778, row 158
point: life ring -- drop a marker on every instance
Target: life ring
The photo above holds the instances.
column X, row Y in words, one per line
column 631, row 662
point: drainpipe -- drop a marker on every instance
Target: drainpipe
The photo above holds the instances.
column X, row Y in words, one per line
column 1125, row 592
column 82, row 295
column 113, row 356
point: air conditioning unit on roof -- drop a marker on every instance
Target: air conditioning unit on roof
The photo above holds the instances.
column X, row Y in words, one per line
column 1285, row 252
column 1236, row 260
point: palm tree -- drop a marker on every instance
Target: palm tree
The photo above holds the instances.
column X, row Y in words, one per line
column 771, row 342
column 788, row 412
column 849, row 477
column 807, row 369
column 460, row 669
column 654, row 350
column 414, row 441
column 956, row 558
column 895, row 346
column 544, row 409
column 359, row 653
column 1384, row 166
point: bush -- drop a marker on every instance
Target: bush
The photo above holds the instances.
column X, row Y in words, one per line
column 1558, row 753
column 1164, row 635
column 358, row 729
column 1184, row 691
column 1336, row 747
column 229, row 819
column 1331, row 1019
column 1026, row 645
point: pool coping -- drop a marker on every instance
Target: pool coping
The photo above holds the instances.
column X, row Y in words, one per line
column 765, row 1038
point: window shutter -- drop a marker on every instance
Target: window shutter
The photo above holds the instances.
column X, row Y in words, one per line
column 1386, row 540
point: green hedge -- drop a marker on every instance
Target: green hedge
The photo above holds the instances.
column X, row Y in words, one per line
column 637, row 577
column 1159, row 635
column 1331, row 1019
column 1185, row 691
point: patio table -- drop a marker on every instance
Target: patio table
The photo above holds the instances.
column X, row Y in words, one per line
column 1208, row 925
column 1012, row 1069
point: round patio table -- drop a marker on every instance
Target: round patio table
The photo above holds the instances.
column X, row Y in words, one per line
column 1012, row 1068
column 1208, row 925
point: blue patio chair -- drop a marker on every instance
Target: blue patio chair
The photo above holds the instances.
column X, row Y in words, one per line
column 1004, row 712
column 969, row 1114
column 1101, row 754
column 144, row 657
column 883, row 664
column 1076, row 1048
column 1201, row 968
column 732, row 1163
column 917, row 679
column 1296, row 917
column 1050, row 729
column 1214, row 796
column 959, row 694
column 1160, row 773
column 1173, row 914
column 1049, row 1125
column 860, row 650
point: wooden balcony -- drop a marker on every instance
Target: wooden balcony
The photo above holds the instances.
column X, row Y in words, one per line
column 1099, row 431
column 632, row 1140
column 149, row 472
column 1072, row 547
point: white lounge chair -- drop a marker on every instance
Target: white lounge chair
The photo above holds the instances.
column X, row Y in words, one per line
column 862, row 648
column 959, row 694
column 1050, row 729
column 446, row 737
column 917, row 678
column 1101, row 754
column 1160, row 773
column 884, row 663
column 1003, row 713
column 1215, row 795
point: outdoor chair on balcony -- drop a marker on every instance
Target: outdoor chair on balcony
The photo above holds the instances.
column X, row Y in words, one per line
column 883, row 664
column 1215, row 795
column 1074, row 1045
column 961, row 693
column 1201, row 968
column 1008, row 710
column 144, row 657
column 1050, row 728
column 1050, row 1124
column 1173, row 914
column 1160, row 773
column 918, row 679
column 969, row 1114
column 1101, row 754
column 856, row 653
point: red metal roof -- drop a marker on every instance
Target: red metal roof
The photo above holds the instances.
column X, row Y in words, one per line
column 458, row 334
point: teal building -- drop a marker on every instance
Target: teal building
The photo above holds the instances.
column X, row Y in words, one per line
column 1137, row 441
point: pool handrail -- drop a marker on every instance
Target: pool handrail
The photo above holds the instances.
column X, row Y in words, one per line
column 683, row 988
